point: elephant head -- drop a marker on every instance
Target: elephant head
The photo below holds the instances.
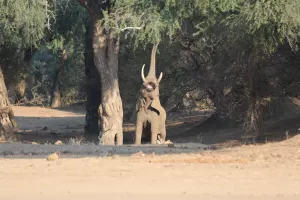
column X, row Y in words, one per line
column 150, row 88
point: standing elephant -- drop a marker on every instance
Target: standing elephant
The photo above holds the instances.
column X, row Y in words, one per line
column 151, row 116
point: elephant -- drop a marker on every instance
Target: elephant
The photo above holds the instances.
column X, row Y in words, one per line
column 151, row 116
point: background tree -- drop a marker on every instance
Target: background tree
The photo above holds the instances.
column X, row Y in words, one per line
column 8, row 125
column 22, row 24
column 240, row 48
column 146, row 21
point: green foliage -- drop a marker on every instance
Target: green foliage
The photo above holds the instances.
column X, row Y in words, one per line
column 272, row 22
column 23, row 22
column 149, row 21
column 71, row 24
column 262, row 25
column 68, row 32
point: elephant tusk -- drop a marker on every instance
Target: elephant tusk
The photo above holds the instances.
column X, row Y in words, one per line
column 160, row 77
column 142, row 74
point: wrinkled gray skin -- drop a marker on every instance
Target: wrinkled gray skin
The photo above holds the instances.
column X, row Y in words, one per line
column 151, row 116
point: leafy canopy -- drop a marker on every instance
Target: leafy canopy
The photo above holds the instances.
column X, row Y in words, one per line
column 264, row 23
column 22, row 22
column 272, row 21
column 150, row 20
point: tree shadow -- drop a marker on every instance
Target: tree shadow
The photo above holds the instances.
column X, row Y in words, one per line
column 225, row 133
column 45, row 130
column 190, row 134
column 198, row 128
column 70, row 129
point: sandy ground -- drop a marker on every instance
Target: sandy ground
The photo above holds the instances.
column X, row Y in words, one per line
column 127, row 178
column 250, row 172
column 268, row 171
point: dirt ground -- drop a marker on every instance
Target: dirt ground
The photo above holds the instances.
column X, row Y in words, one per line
column 189, row 170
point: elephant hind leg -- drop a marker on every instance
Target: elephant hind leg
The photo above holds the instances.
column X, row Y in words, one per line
column 163, row 134
column 154, row 132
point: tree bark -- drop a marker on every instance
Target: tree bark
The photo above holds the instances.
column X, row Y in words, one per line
column 106, row 49
column 56, row 97
column 8, row 126
column 93, row 87
column 15, row 74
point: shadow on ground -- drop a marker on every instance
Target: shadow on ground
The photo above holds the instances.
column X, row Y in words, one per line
column 46, row 126
column 16, row 150
column 70, row 128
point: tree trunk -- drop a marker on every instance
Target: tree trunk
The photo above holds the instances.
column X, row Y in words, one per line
column 106, row 49
column 56, row 97
column 93, row 87
column 8, row 126
column 15, row 74
column 254, row 122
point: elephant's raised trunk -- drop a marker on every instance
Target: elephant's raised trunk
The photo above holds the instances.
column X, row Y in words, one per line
column 152, row 70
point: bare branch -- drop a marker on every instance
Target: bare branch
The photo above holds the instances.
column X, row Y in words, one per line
column 89, row 9
column 48, row 25
column 132, row 28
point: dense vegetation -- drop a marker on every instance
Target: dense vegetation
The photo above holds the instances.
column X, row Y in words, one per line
column 238, row 57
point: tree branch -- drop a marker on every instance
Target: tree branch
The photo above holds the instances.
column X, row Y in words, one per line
column 84, row 3
column 132, row 28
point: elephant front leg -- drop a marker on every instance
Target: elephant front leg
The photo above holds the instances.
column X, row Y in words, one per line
column 138, row 132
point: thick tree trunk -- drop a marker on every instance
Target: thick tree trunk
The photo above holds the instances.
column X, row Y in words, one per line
column 93, row 87
column 16, row 90
column 56, row 97
column 254, row 122
column 16, row 73
column 8, row 126
column 106, row 49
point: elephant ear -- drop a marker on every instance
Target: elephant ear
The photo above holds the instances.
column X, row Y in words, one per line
column 140, row 103
column 156, row 104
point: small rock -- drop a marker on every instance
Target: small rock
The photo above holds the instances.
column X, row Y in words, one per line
column 58, row 142
column 54, row 133
column 140, row 154
column 153, row 155
column 2, row 140
column 53, row 157
column 168, row 142
column 213, row 148
column 115, row 156
column 171, row 145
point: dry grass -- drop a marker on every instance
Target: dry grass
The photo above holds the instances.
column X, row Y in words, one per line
column 201, row 160
column 76, row 140
column 287, row 151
